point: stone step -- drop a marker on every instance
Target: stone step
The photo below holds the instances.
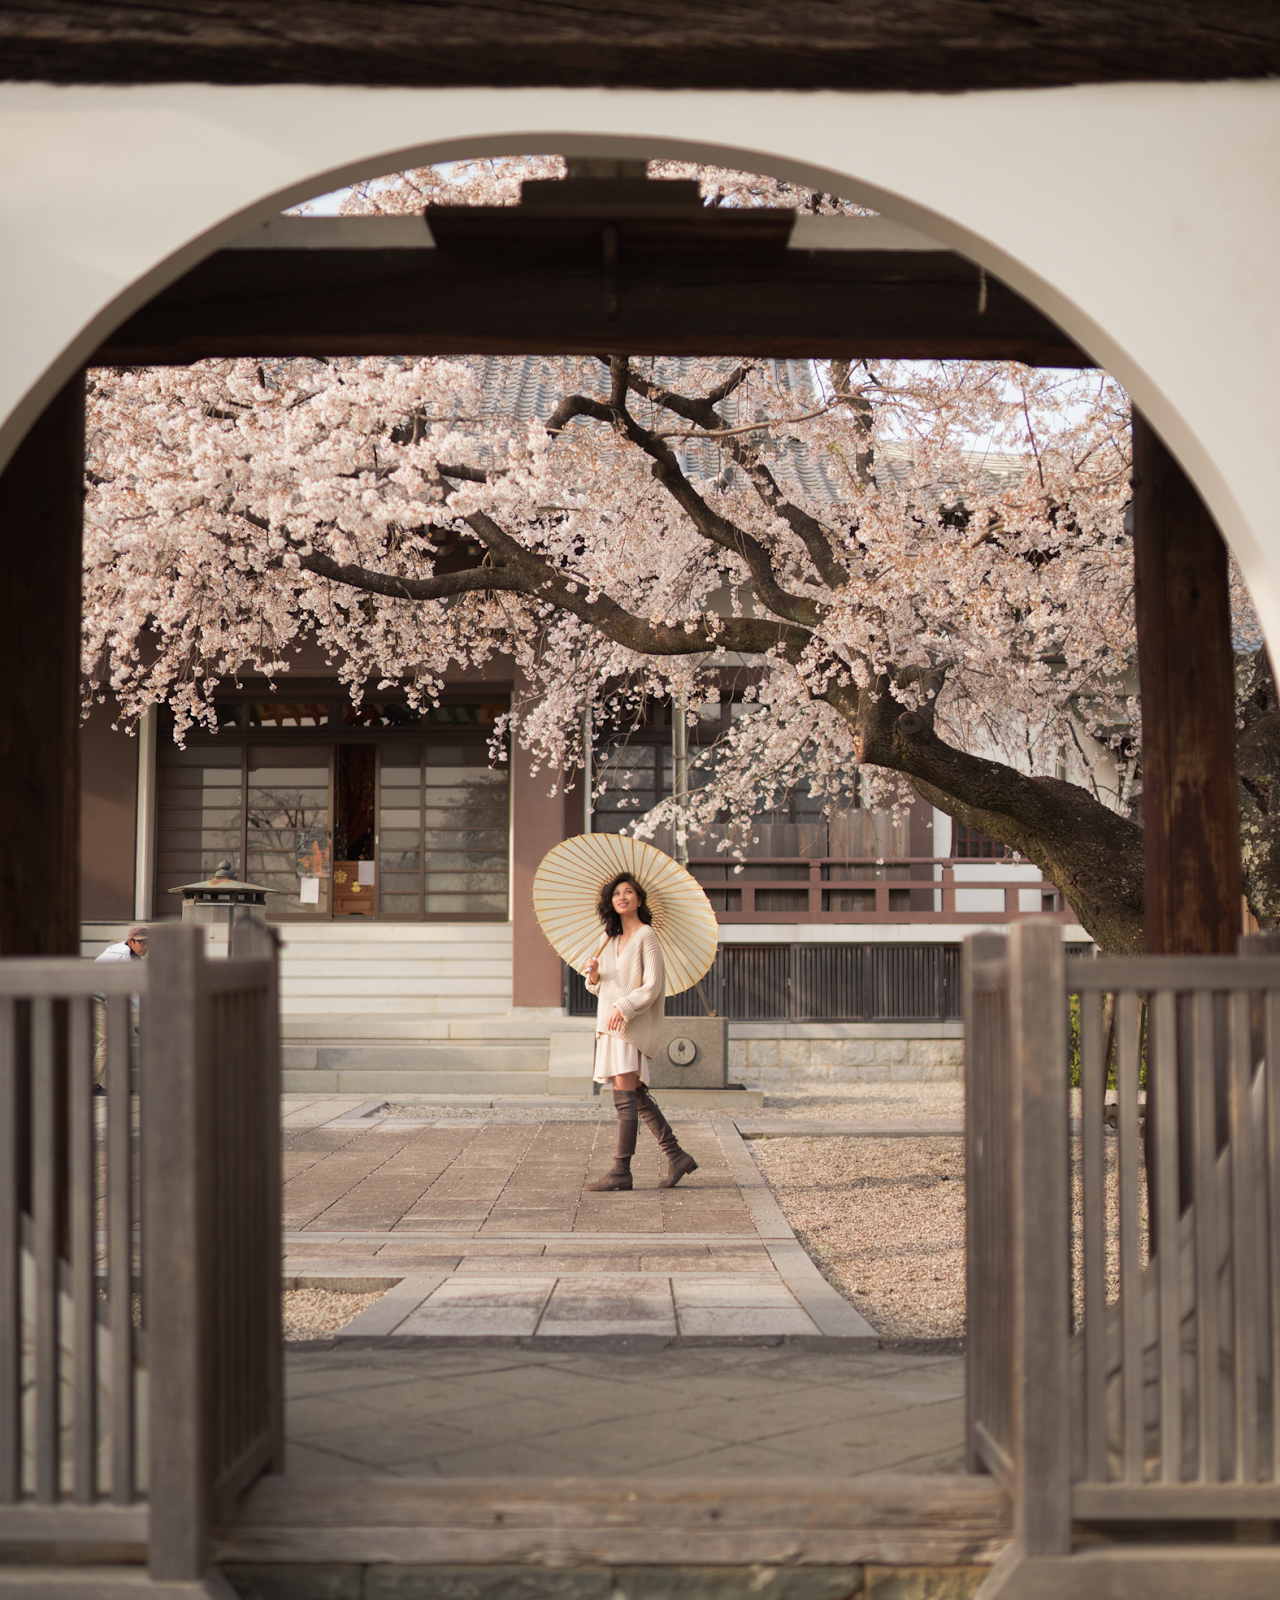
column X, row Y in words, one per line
column 354, row 1079
column 357, row 932
column 369, row 1027
column 424, row 1006
column 446, row 1056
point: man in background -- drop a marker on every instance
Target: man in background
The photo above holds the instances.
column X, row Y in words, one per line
column 131, row 948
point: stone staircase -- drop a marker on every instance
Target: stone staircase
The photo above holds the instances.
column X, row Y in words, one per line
column 371, row 1054
column 419, row 1008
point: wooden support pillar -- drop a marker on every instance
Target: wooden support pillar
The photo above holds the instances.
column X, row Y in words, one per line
column 41, row 513
column 1187, row 675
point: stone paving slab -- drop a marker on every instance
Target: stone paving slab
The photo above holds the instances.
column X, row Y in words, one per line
column 492, row 1234
column 457, row 1410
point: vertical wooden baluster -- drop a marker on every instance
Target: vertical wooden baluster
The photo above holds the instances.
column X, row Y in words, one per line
column 1206, row 1223
column 83, row 1251
column 1130, row 1272
column 1271, row 1085
column 1042, row 1238
column 1243, row 1243
column 10, row 1263
column 1162, row 1061
column 174, row 1148
column 45, row 1198
column 980, row 1062
column 1093, row 1085
column 120, row 1247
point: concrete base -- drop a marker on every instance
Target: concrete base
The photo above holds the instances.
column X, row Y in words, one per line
column 693, row 1054
column 108, row 1583
column 731, row 1100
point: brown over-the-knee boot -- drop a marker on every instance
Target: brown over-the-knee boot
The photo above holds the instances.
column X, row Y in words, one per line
column 619, row 1175
column 679, row 1162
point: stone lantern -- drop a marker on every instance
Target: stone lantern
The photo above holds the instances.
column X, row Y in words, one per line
column 221, row 901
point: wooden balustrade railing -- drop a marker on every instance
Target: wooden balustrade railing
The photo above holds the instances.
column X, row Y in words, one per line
column 915, row 893
column 1123, row 1270
column 140, row 1354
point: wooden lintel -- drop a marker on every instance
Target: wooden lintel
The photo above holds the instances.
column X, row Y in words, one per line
column 822, row 303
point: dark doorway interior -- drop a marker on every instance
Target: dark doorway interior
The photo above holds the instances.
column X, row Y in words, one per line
column 354, row 794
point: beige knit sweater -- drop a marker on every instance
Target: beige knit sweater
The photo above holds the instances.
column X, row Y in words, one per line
column 637, row 985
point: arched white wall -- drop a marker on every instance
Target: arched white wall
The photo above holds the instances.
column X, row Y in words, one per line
column 1142, row 218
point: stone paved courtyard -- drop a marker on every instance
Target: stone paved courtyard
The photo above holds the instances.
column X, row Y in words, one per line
column 488, row 1231
column 467, row 1409
column 529, row 1327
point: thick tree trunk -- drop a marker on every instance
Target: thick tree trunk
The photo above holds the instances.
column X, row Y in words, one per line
column 41, row 512
column 1092, row 855
column 1187, row 671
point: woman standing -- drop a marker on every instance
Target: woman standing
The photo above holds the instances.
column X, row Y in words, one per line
column 630, row 983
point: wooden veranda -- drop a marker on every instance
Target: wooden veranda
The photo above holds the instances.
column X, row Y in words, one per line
column 320, row 288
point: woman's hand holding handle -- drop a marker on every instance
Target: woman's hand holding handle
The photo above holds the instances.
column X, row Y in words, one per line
column 593, row 970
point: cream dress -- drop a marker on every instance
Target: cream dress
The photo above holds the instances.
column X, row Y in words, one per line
column 630, row 979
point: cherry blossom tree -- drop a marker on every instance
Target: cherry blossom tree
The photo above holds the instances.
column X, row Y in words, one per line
column 918, row 570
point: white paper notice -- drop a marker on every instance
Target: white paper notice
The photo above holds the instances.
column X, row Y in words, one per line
column 309, row 893
column 365, row 869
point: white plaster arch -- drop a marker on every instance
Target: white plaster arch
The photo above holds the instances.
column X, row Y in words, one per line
column 1145, row 219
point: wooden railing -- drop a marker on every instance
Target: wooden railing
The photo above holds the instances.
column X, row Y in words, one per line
column 1124, row 1339
column 890, row 891
column 140, row 1355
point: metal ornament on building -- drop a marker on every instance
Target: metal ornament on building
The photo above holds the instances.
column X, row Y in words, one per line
column 222, row 900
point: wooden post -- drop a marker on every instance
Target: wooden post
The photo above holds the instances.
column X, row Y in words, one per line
column 1041, row 1239
column 175, row 1228
column 1187, row 675
column 41, row 514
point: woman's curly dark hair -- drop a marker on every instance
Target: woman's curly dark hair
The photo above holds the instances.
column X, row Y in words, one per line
column 604, row 910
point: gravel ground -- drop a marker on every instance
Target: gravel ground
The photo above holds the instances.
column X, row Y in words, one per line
column 317, row 1313
column 883, row 1220
column 862, row 1102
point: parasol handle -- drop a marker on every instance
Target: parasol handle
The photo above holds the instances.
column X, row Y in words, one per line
column 710, row 1010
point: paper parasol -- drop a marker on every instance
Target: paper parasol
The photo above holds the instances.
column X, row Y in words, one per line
column 566, row 891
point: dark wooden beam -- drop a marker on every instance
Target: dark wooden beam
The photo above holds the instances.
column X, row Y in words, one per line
column 1187, row 672
column 945, row 45
column 333, row 302
column 41, row 514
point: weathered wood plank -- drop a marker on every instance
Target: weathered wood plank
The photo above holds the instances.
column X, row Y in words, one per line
column 70, row 1525
column 120, row 1247
column 1130, row 1211
column 56, row 978
column 1205, row 1195
column 1093, row 1082
column 173, row 1192
column 815, row 1520
column 84, row 1289
column 1244, row 1202
column 1174, row 1502
column 1162, row 1064
column 1041, row 1231
column 1181, row 974
column 884, row 303
column 45, row 1234
column 1271, row 1089
column 41, row 511
column 10, row 1263
column 819, row 44
column 1187, row 671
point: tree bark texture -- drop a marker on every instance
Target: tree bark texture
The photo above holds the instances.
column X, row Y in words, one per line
column 41, row 513
column 1187, row 674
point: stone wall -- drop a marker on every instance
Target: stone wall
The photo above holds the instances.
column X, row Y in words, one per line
column 803, row 1055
